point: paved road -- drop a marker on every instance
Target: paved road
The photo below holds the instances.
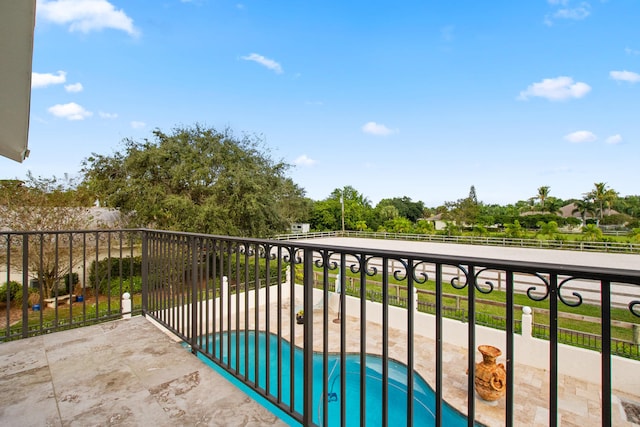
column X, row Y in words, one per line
column 589, row 290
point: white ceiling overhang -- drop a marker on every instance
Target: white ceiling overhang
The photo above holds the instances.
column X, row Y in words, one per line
column 17, row 21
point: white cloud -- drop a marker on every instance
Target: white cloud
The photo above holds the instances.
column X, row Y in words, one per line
column 614, row 139
column 627, row 76
column 138, row 125
column 85, row 15
column 70, row 111
column 104, row 115
column 556, row 89
column 374, row 128
column 304, row 160
column 581, row 136
column 576, row 13
column 630, row 51
column 46, row 79
column 269, row 63
column 74, row 87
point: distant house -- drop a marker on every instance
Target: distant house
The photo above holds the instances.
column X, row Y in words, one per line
column 437, row 221
column 299, row 227
column 569, row 211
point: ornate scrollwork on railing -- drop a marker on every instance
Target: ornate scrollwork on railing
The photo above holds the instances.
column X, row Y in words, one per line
column 533, row 288
column 363, row 265
column 575, row 294
column 489, row 283
column 325, row 260
column 632, row 308
column 267, row 252
column 292, row 256
column 422, row 277
column 455, row 281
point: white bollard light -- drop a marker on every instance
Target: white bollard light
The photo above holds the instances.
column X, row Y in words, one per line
column 126, row 305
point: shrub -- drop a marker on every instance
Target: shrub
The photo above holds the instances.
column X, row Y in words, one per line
column 133, row 285
column 14, row 290
column 111, row 268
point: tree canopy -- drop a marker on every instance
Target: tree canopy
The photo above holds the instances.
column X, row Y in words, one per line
column 198, row 179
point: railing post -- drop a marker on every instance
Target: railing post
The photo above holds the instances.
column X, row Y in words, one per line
column 25, row 286
column 145, row 273
column 307, row 364
column 194, row 294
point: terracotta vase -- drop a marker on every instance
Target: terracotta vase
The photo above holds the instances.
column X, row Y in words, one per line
column 491, row 378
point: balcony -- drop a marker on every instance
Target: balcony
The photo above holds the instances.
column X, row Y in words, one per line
column 366, row 310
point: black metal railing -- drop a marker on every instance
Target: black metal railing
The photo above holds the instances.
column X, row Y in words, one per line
column 50, row 281
column 236, row 301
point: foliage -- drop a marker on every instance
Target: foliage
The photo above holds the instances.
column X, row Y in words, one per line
column 629, row 205
column 198, row 179
column 398, row 225
column 118, row 286
column 405, row 207
column 547, row 230
column 603, row 197
column 514, row 230
column 13, row 288
column 615, row 219
column 45, row 204
column 451, row 229
column 543, row 193
column 591, row 232
column 327, row 214
column 424, row 227
column 103, row 272
column 479, row 230
column 584, row 207
column 464, row 211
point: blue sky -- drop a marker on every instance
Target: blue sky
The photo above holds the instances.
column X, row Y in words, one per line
column 414, row 98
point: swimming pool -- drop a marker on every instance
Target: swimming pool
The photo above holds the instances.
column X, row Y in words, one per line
column 424, row 396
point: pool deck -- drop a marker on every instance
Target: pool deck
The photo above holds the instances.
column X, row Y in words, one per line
column 129, row 372
column 126, row 373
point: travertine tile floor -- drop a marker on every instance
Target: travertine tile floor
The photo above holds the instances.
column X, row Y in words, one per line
column 130, row 373
column 125, row 373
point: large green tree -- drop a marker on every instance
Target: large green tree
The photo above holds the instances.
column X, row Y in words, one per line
column 198, row 179
column 327, row 214
column 406, row 207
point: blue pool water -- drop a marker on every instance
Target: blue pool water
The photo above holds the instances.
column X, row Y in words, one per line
column 424, row 396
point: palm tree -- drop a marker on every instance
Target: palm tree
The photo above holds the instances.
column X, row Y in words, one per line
column 543, row 193
column 584, row 207
column 553, row 205
column 602, row 195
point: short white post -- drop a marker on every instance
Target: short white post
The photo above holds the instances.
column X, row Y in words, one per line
column 126, row 305
column 287, row 275
column 415, row 300
column 527, row 322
